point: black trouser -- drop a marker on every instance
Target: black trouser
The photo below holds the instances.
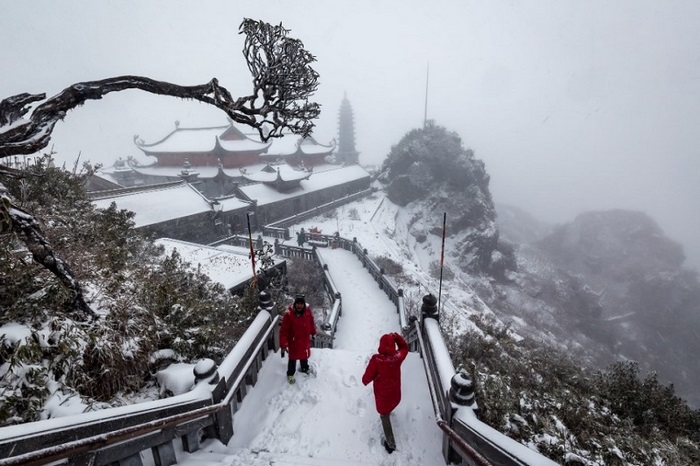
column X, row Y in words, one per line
column 388, row 431
column 292, row 366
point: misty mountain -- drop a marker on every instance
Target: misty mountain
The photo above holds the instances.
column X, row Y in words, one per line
column 610, row 285
column 518, row 226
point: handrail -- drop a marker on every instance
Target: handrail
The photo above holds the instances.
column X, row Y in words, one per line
column 249, row 362
column 96, row 442
column 454, row 436
column 71, row 449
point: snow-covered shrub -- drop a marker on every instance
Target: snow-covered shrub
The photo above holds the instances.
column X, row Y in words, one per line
column 547, row 399
column 447, row 273
column 389, row 265
column 142, row 302
column 194, row 315
column 649, row 404
column 22, row 374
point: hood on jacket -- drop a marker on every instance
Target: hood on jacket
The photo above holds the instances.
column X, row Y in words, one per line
column 387, row 346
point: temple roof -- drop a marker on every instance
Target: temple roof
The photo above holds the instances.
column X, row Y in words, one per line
column 157, row 203
column 291, row 144
column 229, row 203
column 231, row 139
column 275, row 173
column 265, row 194
column 203, row 140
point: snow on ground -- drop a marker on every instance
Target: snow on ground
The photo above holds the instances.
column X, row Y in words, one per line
column 384, row 229
column 330, row 418
column 367, row 312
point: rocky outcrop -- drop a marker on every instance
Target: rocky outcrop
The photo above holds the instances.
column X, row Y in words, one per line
column 431, row 170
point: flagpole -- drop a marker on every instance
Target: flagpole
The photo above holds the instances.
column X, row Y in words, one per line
column 442, row 256
column 252, row 251
column 425, row 110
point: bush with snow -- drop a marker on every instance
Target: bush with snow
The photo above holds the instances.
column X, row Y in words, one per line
column 143, row 303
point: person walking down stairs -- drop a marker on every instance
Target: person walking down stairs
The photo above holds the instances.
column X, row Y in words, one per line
column 297, row 330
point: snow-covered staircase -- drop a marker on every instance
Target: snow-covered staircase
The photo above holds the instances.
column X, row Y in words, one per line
column 329, row 417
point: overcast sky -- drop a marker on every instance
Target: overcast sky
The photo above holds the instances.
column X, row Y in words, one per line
column 572, row 105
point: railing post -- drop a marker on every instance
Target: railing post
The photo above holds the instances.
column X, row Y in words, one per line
column 429, row 307
column 205, row 371
column 462, row 389
column 164, row 454
column 412, row 335
column 461, row 392
column 265, row 303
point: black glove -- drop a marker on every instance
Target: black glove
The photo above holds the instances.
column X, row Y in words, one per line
column 282, row 351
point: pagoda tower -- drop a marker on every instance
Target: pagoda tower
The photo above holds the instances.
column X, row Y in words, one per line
column 347, row 154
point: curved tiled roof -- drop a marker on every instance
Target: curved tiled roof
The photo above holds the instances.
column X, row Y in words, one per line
column 272, row 173
column 201, row 140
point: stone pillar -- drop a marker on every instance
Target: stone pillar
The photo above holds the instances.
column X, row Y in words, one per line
column 429, row 307
column 462, row 389
column 265, row 302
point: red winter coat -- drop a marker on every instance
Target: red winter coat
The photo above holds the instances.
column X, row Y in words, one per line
column 296, row 331
column 385, row 370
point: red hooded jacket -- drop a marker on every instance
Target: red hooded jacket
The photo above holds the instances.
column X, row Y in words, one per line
column 384, row 369
column 296, row 331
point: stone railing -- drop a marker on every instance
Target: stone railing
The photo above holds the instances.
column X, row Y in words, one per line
column 121, row 435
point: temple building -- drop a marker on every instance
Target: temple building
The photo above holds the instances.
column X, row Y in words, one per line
column 204, row 147
column 203, row 184
column 217, row 159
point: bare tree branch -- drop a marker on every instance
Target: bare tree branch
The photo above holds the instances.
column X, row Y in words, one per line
column 283, row 81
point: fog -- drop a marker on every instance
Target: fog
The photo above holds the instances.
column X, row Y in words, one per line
column 573, row 106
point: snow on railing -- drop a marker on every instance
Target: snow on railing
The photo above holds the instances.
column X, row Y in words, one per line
column 209, row 409
column 121, row 434
column 455, row 399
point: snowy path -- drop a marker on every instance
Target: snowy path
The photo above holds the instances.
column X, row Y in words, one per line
column 330, row 419
column 367, row 312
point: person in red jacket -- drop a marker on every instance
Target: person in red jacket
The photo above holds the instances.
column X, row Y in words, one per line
column 296, row 331
column 384, row 369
